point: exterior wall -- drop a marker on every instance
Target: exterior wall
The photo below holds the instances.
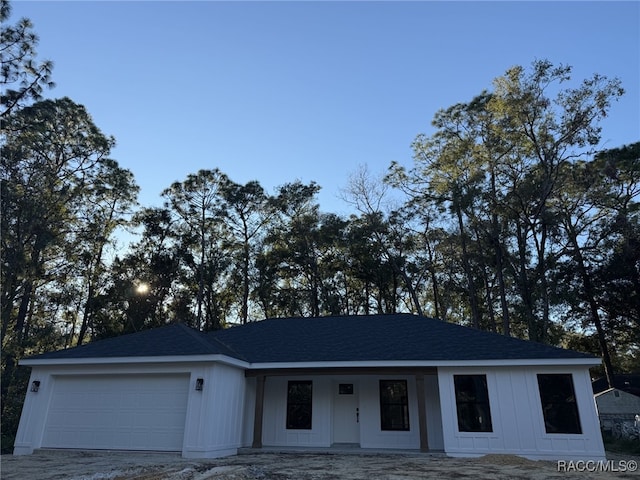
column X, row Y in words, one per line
column 214, row 415
column 434, row 413
column 34, row 414
column 220, row 417
column 274, row 431
column 371, row 435
column 517, row 419
column 249, row 411
column 321, row 434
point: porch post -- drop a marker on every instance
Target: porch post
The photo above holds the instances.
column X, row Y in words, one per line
column 257, row 418
column 422, row 413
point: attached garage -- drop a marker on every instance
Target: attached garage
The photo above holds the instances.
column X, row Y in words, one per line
column 123, row 412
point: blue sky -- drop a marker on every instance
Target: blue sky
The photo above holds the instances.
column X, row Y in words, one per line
column 280, row 91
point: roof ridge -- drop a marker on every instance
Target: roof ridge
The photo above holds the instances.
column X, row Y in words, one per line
column 207, row 338
column 213, row 338
column 197, row 335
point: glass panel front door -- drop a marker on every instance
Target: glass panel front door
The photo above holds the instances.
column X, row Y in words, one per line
column 346, row 414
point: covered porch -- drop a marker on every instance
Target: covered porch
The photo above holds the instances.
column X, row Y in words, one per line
column 355, row 410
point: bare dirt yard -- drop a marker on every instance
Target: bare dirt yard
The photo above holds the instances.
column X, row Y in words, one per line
column 75, row 465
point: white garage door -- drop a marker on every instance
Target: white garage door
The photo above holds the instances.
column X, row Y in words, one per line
column 120, row 412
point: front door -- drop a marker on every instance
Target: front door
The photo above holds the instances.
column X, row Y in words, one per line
column 346, row 413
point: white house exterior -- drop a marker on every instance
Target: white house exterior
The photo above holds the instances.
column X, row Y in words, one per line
column 373, row 382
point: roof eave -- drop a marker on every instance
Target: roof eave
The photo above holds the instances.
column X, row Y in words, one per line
column 432, row 363
column 227, row 360
column 210, row 358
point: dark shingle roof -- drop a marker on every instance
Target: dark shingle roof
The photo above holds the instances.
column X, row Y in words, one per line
column 628, row 382
column 377, row 337
column 175, row 339
column 401, row 337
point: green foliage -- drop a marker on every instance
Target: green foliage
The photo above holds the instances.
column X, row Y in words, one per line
column 22, row 78
column 511, row 222
column 62, row 199
column 496, row 165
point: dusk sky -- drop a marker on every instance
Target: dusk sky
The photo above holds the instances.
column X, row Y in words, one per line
column 279, row 91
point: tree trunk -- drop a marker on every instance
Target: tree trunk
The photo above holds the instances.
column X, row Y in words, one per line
column 245, row 282
column 367, row 294
column 200, row 298
column 22, row 311
column 504, row 306
column 8, row 297
column 498, row 253
column 522, row 280
column 593, row 306
column 541, row 269
column 86, row 314
column 491, row 313
column 473, row 298
column 407, row 281
column 434, row 282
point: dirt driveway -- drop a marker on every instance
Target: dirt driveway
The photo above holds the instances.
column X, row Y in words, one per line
column 74, row 465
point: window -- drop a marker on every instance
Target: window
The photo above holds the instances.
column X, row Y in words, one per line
column 472, row 403
column 559, row 406
column 394, row 405
column 345, row 389
column 299, row 396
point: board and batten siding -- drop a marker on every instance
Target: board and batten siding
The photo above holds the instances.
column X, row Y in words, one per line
column 249, row 411
column 320, row 435
column 215, row 416
column 517, row 419
column 372, row 435
column 274, row 431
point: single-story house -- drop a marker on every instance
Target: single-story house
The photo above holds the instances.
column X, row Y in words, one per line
column 616, row 406
column 375, row 382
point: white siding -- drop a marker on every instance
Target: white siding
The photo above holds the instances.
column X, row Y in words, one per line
column 372, row 435
column 249, row 411
column 276, row 434
column 212, row 425
column 274, row 431
column 219, row 419
column 215, row 420
column 34, row 414
column 434, row 414
column 518, row 424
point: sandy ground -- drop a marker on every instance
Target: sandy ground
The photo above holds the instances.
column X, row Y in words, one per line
column 75, row 465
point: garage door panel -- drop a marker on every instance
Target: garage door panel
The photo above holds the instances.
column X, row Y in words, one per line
column 118, row 412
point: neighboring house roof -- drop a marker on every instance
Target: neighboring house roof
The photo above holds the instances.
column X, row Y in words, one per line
column 627, row 382
column 390, row 337
column 617, row 402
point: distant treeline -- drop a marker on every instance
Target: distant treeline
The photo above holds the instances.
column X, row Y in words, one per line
column 512, row 220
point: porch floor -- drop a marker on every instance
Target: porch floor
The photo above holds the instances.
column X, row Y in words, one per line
column 338, row 449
